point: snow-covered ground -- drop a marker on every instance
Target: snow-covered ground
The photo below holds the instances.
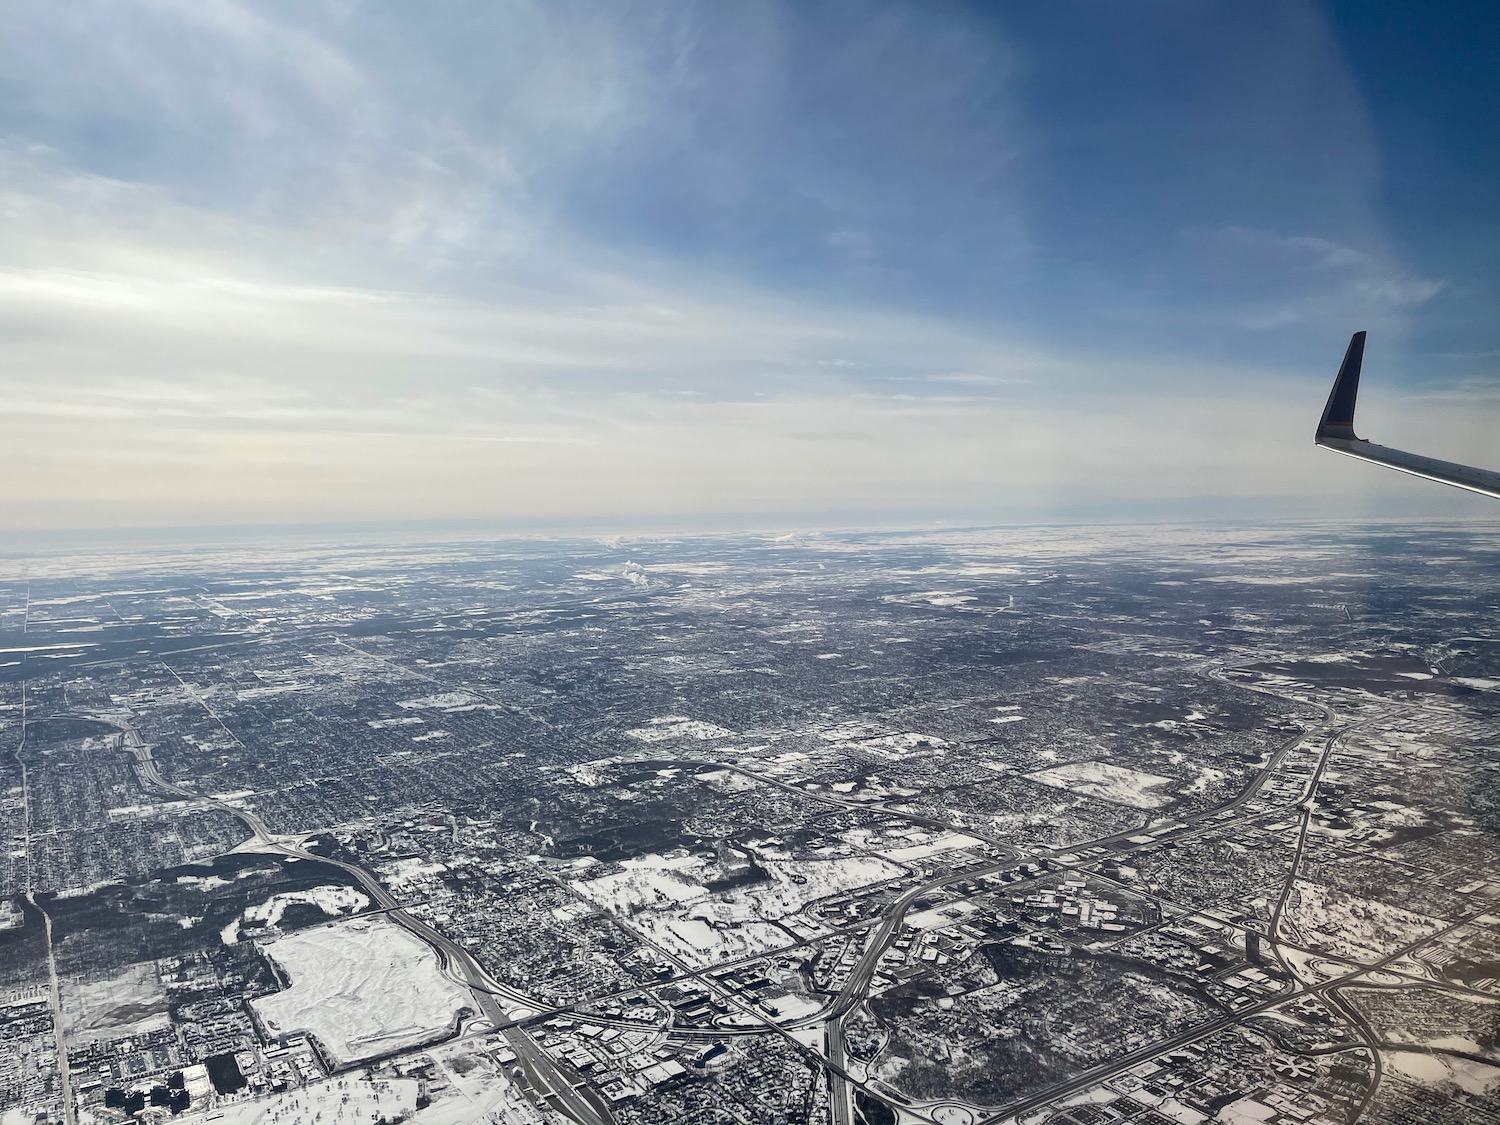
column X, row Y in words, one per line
column 329, row 899
column 338, row 1101
column 666, row 896
column 939, row 917
column 947, row 842
column 1116, row 784
column 404, row 875
column 1350, row 926
column 1477, row 684
column 268, row 691
column 703, row 936
column 656, row 881
column 443, row 701
column 646, row 882
column 132, row 1002
column 899, row 746
column 479, row 1091
column 1434, row 1070
column 727, row 781
column 668, row 727
column 363, row 987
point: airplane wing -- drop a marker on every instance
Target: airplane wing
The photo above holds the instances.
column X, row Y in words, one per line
column 1336, row 432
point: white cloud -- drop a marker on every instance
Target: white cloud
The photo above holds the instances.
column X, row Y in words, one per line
column 290, row 285
column 1288, row 279
column 164, row 397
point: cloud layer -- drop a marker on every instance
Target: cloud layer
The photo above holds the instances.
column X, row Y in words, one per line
column 286, row 263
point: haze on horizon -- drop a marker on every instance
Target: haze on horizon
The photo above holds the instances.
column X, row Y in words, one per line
column 290, row 262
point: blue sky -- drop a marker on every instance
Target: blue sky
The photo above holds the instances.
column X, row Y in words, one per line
column 296, row 262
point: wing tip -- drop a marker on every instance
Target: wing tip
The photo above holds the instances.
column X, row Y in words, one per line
column 1338, row 414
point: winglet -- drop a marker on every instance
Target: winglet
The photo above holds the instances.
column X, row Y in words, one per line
column 1336, row 432
column 1338, row 415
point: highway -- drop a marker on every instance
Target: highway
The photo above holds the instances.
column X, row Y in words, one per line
column 1117, row 1066
column 548, row 1083
column 544, row 1079
column 1104, row 1071
column 854, row 991
column 54, row 990
column 840, row 1091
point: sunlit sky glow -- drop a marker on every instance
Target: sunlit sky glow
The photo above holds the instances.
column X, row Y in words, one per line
column 323, row 262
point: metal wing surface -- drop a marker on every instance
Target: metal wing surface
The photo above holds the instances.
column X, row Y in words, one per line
column 1336, row 432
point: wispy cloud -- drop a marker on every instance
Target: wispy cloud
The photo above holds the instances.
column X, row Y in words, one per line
column 532, row 258
column 1304, row 278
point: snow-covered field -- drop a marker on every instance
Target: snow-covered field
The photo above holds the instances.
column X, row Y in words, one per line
column 947, row 842
column 1434, row 1070
column 898, row 746
column 407, row 875
column 403, row 721
column 132, row 1002
column 655, row 881
column 329, row 899
column 703, row 936
column 338, row 1101
column 363, row 987
column 443, row 701
column 939, row 917
column 666, row 895
column 1350, row 926
column 1116, row 784
column 727, row 781
column 647, row 882
column 479, row 1092
column 668, row 727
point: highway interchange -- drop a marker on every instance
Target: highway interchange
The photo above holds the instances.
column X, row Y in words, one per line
column 556, row 1086
column 841, row 948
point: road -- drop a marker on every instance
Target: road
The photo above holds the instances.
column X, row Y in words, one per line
column 840, row 1092
column 1341, row 1005
column 854, row 991
column 1113, row 1067
column 1305, row 802
column 54, row 989
column 570, row 1095
column 548, row 1082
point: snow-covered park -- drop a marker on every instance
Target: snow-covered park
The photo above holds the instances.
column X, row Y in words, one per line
column 362, row 987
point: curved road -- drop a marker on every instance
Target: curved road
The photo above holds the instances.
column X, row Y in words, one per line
column 54, row 990
column 571, row 1096
column 545, row 1080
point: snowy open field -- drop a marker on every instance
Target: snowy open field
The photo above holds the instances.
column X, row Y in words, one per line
column 339, row 1101
column 666, row 895
column 702, row 935
column 1350, row 926
column 947, row 842
column 132, row 1002
column 1443, row 1073
column 669, row 727
column 655, row 881
column 363, row 987
column 646, row 882
column 443, row 701
column 331, row 900
column 328, row 899
column 1116, row 784
column 478, row 1092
